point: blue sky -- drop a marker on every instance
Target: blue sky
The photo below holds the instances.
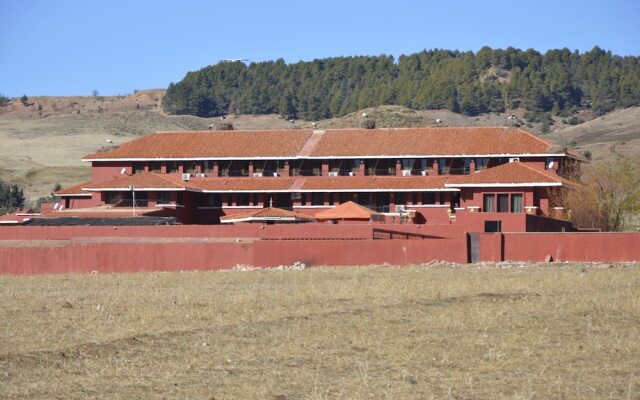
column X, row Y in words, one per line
column 65, row 47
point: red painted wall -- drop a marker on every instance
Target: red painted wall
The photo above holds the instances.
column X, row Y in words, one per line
column 612, row 247
column 108, row 170
column 278, row 231
column 128, row 254
column 86, row 255
column 474, row 221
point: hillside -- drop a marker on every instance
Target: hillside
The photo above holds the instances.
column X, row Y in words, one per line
column 43, row 142
column 614, row 134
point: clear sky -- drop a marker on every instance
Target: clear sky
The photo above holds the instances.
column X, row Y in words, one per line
column 65, row 47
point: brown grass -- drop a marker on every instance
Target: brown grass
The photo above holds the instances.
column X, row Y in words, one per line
column 350, row 333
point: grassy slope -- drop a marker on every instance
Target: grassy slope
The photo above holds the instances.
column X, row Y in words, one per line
column 350, row 333
column 42, row 143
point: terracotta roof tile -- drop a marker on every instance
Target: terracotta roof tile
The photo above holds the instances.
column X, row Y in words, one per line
column 374, row 182
column 142, row 181
column 429, row 141
column 338, row 142
column 214, row 144
column 74, row 190
column 509, row 173
column 348, row 210
column 267, row 213
column 241, row 184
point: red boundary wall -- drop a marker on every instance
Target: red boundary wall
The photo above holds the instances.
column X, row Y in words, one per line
column 281, row 231
column 150, row 254
column 610, row 246
column 44, row 250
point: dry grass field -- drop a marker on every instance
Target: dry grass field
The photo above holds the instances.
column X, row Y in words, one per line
column 420, row 332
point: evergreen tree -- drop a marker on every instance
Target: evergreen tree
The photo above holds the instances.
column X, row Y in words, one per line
column 559, row 81
column 11, row 197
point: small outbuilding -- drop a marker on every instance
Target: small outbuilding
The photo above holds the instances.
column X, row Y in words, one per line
column 267, row 215
column 350, row 211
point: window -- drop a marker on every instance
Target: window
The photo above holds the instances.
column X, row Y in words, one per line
column 138, row 167
column 172, row 166
column 503, row 203
column 481, row 163
column 516, row 203
column 487, row 202
column 155, row 166
column 344, row 197
column 242, row 199
column 382, row 202
column 317, row 199
column 493, row 226
column 163, row 197
column 408, row 163
column 429, row 198
column 190, row 167
column 210, row 200
column 112, row 197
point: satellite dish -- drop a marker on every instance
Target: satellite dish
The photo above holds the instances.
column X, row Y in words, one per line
column 550, row 165
column 123, row 170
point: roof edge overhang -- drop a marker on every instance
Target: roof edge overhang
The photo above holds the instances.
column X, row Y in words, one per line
column 447, row 189
column 262, row 219
column 139, row 189
column 330, row 190
column 350, row 157
column 531, row 184
column 73, row 194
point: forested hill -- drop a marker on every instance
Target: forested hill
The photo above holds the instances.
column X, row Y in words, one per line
column 558, row 82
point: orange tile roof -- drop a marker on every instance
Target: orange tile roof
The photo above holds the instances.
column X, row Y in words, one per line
column 337, row 143
column 269, row 213
column 509, row 173
column 75, row 190
column 214, row 144
column 142, row 181
column 241, row 184
column 374, row 183
column 348, row 210
column 429, row 141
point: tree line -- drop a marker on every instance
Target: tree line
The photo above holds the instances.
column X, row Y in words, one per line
column 11, row 197
column 559, row 82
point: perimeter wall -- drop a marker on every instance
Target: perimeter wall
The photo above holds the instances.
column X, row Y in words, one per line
column 77, row 249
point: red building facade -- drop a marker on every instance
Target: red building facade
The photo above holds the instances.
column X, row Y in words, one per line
column 427, row 176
